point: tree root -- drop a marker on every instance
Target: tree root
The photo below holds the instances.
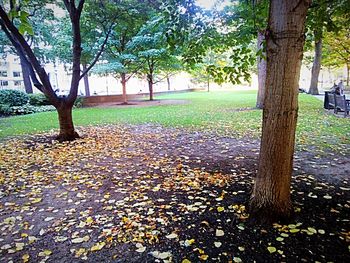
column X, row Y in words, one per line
column 268, row 213
column 67, row 137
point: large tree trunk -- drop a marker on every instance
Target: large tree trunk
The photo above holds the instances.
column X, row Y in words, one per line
column 123, row 77
column 26, row 76
column 261, row 71
column 316, row 67
column 86, row 82
column 67, row 131
column 270, row 198
column 150, row 85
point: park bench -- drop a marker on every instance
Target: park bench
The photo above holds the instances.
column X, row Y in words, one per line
column 329, row 101
column 341, row 104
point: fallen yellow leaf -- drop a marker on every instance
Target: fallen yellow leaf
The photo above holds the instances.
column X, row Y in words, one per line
column 98, row 246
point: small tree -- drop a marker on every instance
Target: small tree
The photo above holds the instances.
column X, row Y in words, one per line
column 170, row 67
column 16, row 34
column 248, row 21
column 120, row 58
column 151, row 47
column 322, row 18
column 210, row 52
column 96, row 22
column 222, row 66
column 337, row 50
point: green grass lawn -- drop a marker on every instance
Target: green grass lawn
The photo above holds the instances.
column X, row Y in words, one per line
column 229, row 113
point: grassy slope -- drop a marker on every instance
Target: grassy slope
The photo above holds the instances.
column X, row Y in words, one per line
column 215, row 111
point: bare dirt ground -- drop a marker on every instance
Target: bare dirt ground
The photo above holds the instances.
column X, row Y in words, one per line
column 145, row 193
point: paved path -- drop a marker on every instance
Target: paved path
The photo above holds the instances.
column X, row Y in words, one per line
column 320, row 97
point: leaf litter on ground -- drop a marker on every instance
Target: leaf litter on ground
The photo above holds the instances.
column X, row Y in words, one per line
column 151, row 193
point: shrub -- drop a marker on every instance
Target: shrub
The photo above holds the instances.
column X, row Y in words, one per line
column 5, row 109
column 79, row 102
column 38, row 99
column 13, row 97
column 24, row 109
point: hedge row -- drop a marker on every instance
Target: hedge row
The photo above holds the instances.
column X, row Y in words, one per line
column 13, row 97
column 5, row 109
column 15, row 102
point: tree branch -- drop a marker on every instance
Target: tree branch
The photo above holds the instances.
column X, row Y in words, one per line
column 21, row 54
column 98, row 55
column 159, row 80
column 67, row 5
column 47, row 88
column 80, row 6
column 345, row 58
column 133, row 73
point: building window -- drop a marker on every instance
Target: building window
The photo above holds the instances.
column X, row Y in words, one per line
column 4, row 83
column 18, row 82
column 16, row 74
column 3, row 73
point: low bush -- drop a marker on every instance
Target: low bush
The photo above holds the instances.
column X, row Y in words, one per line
column 25, row 109
column 78, row 102
column 13, row 97
column 5, row 109
column 38, row 99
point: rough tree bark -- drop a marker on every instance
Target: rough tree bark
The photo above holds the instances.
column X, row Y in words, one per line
column 270, row 200
column 261, row 71
column 150, row 85
column 316, row 66
column 86, row 82
column 26, row 76
column 67, row 131
column 123, row 80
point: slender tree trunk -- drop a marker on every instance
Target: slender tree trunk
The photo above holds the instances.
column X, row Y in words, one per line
column 261, row 71
column 208, row 83
column 123, row 77
column 348, row 74
column 26, row 76
column 270, row 198
column 168, row 82
column 67, row 131
column 316, row 67
column 150, row 86
column 86, row 82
